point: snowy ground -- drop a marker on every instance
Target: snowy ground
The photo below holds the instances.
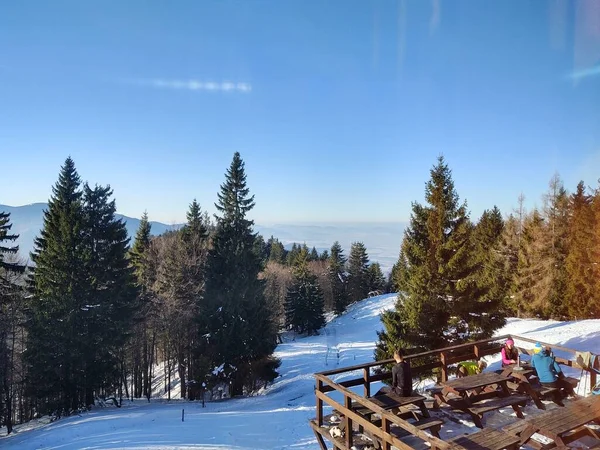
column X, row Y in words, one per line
column 276, row 420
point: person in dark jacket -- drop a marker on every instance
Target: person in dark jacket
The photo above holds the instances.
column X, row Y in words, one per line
column 549, row 372
column 509, row 353
column 401, row 375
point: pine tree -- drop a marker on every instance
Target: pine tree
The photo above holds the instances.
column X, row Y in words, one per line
column 376, row 279
column 487, row 312
column 324, row 255
column 434, row 274
column 337, row 275
column 197, row 222
column 241, row 327
column 314, row 255
column 276, row 250
column 10, row 312
column 358, row 272
column 60, row 289
column 304, row 301
column 292, row 254
column 107, row 317
column 582, row 299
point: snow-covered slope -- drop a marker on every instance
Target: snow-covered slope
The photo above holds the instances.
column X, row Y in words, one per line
column 278, row 418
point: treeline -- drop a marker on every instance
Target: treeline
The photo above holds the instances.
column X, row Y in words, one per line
column 96, row 314
column 458, row 280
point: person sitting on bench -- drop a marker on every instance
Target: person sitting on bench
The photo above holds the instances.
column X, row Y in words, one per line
column 549, row 372
column 510, row 354
column 470, row 368
column 401, row 377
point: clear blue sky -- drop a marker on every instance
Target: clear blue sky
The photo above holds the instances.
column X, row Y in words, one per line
column 339, row 108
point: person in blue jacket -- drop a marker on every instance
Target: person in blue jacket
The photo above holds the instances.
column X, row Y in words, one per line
column 549, row 372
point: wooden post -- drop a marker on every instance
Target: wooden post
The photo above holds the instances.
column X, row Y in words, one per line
column 476, row 351
column 593, row 372
column 444, row 367
column 348, row 405
column 367, row 378
column 385, row 426
column 319, row 404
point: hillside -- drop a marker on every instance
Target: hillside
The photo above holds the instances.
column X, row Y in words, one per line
column 381, row 239
column 277, row 419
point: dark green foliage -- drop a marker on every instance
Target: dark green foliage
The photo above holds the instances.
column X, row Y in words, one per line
column 11, row 306
column 277, row 252
column 292, row 254
column 324, row 256
column 197, row 224
column 491, row 279
column 313, row 255
column 435, row 275
column 377, row 282
column 358, row 272
column 304, row 301
column 582, row 300
column 337, row 275
column 82, row 298
column 241, row 329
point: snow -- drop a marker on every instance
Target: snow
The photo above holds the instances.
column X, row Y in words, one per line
column 278, row 418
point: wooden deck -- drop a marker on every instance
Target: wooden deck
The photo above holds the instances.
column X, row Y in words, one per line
column 383, row 421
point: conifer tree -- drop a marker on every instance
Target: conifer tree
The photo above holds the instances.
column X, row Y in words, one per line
column 241, row 327
column 10, row 313
column 337, row 276
column 197, row 222
column 582, row 299
column 292, row 254
column 144, row 271
column 314, row 255
column 276, row 250
column 60, row 289
column 433, row 274
column 358, row 272
column 376, row 279
column 304, row 301
column 490, row 275
column 107, row 317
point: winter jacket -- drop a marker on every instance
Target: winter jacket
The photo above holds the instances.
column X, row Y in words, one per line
column 548, row 370
column 472, row 367
column 402, row 379
column 508, row 354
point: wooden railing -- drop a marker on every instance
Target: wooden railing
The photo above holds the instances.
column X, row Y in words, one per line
column 442, row 359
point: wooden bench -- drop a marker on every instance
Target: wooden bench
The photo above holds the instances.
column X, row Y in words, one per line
column 489, row 438
column 478, row 410
column 430, row 424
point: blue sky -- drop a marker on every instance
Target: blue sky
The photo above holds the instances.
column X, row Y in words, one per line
column 339, row 108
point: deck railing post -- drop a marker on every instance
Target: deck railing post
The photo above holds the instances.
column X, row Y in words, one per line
column 444, row 367
column 319, row 404
column 476, row 351
column 367, row 378
column 593, row 373
column 385, row 426
column 348, row 405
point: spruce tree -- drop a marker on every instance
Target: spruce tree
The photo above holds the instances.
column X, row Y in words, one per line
column 376, row 279
column 10, row 312
column 304, row 300
column 582, row 299
column 107, row 317
column 197, row 222
column 241, row 327
column 490, row 275
column 337, row 276
column 358, row 272
column 314, row 255
column 292, row 254
column 60, row 289
column 276, row 250
column 434, row 274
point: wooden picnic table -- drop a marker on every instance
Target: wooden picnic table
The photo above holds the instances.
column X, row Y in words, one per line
column 526, row 381
column 564, row 425
column 393, row 401
column 479, row 394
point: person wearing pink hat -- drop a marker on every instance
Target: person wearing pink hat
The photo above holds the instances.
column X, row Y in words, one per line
column 509, row 352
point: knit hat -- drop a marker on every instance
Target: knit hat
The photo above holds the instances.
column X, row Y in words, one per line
column 510, row 341
column 538, row 348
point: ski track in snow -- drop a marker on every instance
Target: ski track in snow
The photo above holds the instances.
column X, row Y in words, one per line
column 278, row 418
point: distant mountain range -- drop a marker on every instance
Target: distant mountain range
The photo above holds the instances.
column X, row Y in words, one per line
column 381, row 239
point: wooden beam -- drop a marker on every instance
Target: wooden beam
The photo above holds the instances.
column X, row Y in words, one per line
column 367, row 380
column 319, row 403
